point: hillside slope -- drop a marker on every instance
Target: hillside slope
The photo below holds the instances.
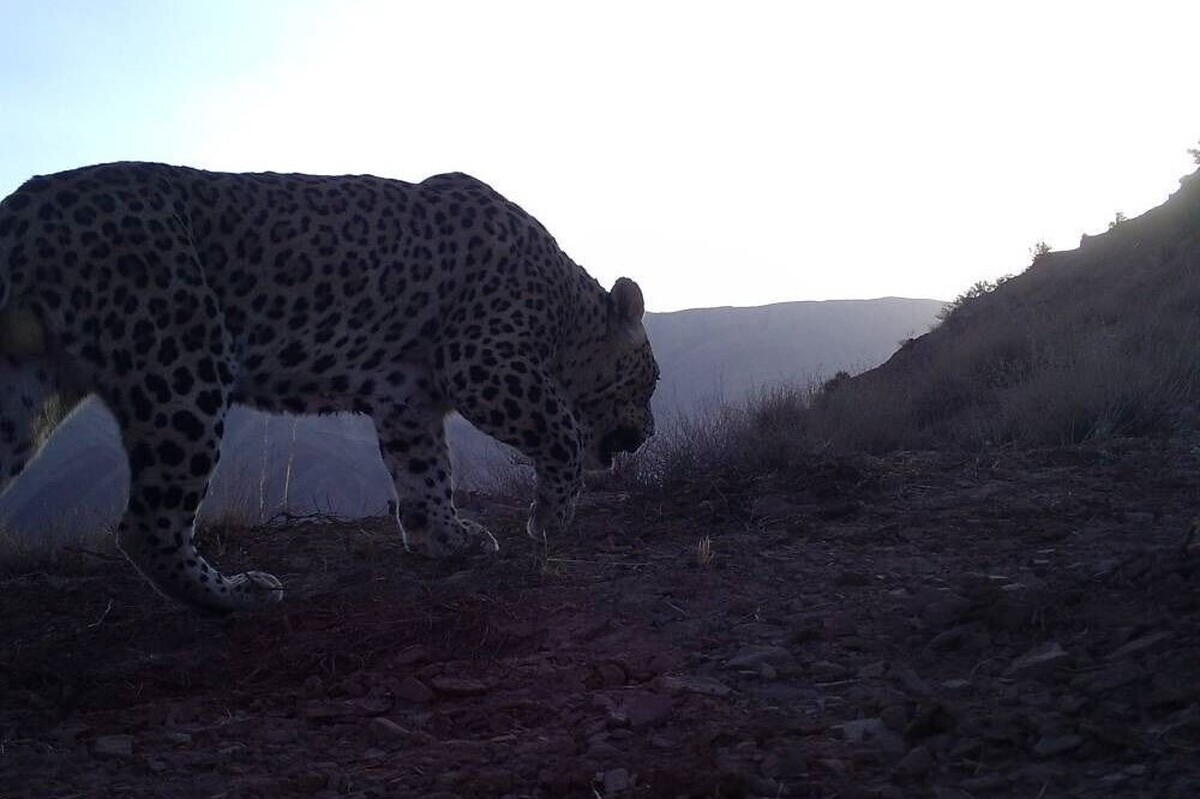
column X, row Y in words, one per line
column 1085, row 344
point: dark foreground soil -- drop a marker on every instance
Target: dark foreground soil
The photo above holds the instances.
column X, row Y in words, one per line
column 1010, row 624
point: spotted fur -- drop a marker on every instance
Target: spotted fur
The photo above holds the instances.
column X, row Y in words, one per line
column 171, row 293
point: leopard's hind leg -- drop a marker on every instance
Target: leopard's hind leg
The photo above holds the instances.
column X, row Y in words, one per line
column 32, row 404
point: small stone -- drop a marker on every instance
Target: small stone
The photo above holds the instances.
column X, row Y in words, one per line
column 1141, row 645
column 413, row 690
column 839, row 625
column 941, row 608
column 750, row 657
column 407, row 657
column 852, row 579
column 616, row 780
column 862, row 730
column 1051, row 745
column 1113, row 678
column 67, row 733
column 107, row 746
column 278, row 734
column 644, row 709
column 895, row 717
column 956, row 685
column 1039, row 661
column 602, row 750
column 708, row 686
column 459, row 686
column 987, row 783
column 911, row 681
column 827, row 671
column 386, row 729
column 773, row 506
column 917, row 763
column 610, row 675
column 931, row 718
column 873, row 670
column 178, row 738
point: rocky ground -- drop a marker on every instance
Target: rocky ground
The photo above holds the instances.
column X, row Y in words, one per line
column 927, row 625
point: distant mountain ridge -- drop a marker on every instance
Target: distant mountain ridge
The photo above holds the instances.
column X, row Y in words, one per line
column 723, row 353
column 332, row 464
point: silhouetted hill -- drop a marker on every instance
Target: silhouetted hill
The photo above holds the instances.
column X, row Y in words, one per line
column 332, row 464
column 1085, row 344
column 725, row 353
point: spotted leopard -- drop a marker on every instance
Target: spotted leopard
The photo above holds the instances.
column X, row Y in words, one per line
column 172, row 293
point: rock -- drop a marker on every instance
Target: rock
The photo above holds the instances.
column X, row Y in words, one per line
column 681, row 683
column 407, row 657
column 615, row 781
column 1039, row 661
column 773, row 506
column 1141, row 645
column 383, row 730
column 610, row 675
column 1110, row 679
column 413, row 690
column 911, row 681
column 826, row 671
column 1071, row 704
column 986, row 783
column 852, row 579
column 643, row 708
column 873, row 670
column 863, row 730
column 839, row 625
column 68, row 733
column 459, row 686
column 895, row 717
column 791, row 761
column 931, row 718
column 178, row 738
column 949, row 640
column 110, row 746
column 602, row 750
column 1011, row 615
column 752, row 656
column 917, row 763
column 940, row 608
column 1051, row 745
column 276, row 733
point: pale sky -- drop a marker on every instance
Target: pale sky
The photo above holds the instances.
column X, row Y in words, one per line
column 734, row 153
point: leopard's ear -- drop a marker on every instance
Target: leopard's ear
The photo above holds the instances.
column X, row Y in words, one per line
column 625, row 309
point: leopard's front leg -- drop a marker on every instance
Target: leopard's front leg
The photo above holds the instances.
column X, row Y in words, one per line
column 515, row 402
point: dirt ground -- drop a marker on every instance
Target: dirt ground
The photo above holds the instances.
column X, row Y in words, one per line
column 926, row 625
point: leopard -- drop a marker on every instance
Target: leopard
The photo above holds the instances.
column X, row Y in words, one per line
column 171, row 293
